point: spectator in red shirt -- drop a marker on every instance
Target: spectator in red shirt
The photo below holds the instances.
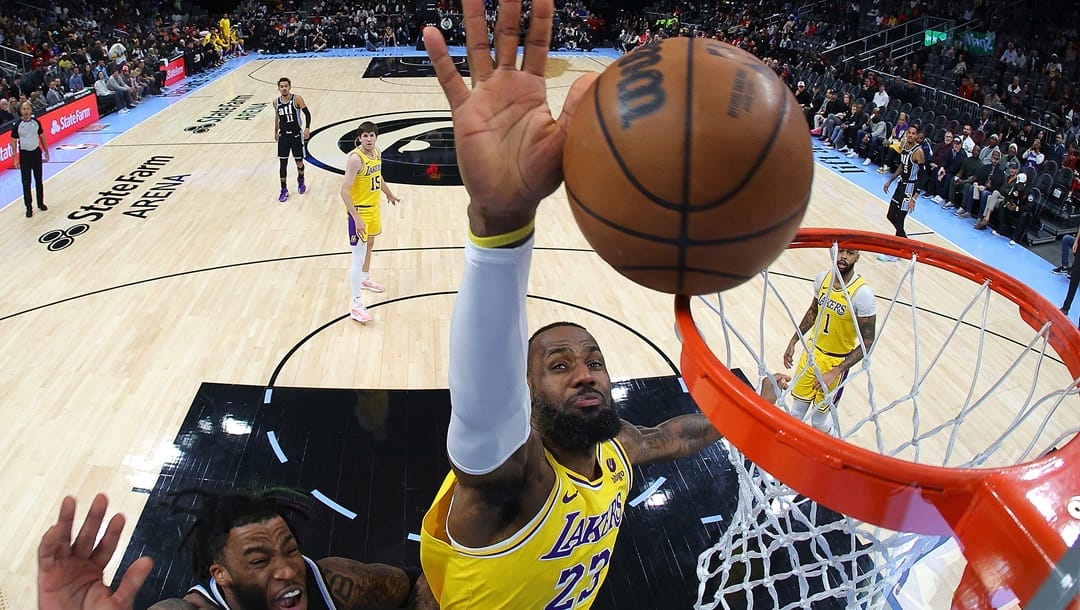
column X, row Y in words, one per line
column 965, row 89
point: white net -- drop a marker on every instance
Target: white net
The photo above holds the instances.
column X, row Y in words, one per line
column 954, row 378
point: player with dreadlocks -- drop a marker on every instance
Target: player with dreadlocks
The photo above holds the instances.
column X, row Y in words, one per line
column 244, row 553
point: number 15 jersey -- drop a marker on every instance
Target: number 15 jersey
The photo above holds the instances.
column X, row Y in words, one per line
column 367, row 186
column 557, row 561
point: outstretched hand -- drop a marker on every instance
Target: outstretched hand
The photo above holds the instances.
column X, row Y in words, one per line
column 509, row 147
column 70, row 576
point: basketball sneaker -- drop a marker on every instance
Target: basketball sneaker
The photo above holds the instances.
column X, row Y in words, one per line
column 372, row 285
column 359, row 313
column 301, row 187
column 1063, row 270
column 283, row 196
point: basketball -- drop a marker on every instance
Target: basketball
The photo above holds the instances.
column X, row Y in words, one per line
column 688, row 166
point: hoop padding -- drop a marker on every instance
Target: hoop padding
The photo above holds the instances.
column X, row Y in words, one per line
column 1013, row 523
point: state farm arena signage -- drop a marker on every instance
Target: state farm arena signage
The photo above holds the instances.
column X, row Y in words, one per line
column 57, row 123
column 174, row 71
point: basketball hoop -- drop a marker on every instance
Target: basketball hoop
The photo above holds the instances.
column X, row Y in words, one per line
column 1015, row 521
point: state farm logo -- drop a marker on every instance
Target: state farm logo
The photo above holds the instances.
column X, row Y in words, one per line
column 174, row 71
column 138, row 193
column 205, row 123
column 5, row 151
column 58, row 239
column 69, row 120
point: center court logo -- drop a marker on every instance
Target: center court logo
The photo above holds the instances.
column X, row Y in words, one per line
column 417, row 147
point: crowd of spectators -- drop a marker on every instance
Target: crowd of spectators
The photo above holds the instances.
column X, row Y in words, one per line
column 991, row 127
column 76, row 45
column 1000, row 125
column 1027, row 90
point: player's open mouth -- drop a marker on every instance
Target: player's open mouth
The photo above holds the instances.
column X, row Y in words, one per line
column 289, row 598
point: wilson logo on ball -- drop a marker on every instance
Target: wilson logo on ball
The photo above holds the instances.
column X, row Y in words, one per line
column 688, row 167
column 640, row 87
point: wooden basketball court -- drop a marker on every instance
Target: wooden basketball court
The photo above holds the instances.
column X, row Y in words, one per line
column 197, row 274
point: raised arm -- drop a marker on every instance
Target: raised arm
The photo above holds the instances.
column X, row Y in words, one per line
column 510, row 154
column 70, row 574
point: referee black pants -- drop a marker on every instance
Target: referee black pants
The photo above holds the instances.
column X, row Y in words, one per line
column 30, row 163
column 1074, row 282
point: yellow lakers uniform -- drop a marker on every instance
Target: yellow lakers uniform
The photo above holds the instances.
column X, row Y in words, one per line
column 226, row 29
column 557, row 561
column 365, row 194
column 834, row 336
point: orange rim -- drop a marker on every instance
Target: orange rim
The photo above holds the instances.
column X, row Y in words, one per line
column 1013, row 523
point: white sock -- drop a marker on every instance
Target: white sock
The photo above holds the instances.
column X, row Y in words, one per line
column 799, row 408
column 356, row 269
column 821, row 420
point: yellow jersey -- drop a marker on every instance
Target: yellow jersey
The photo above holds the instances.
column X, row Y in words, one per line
column 365, row 189
column 557, row 561
column 835, row 330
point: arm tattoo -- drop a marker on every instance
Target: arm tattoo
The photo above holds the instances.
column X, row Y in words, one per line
column 678, row 437
column 868, row 330
column 341, row 586
column 808, row 319
column 355, row 585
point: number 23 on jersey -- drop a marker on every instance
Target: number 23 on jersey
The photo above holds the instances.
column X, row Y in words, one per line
column 567, row 596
